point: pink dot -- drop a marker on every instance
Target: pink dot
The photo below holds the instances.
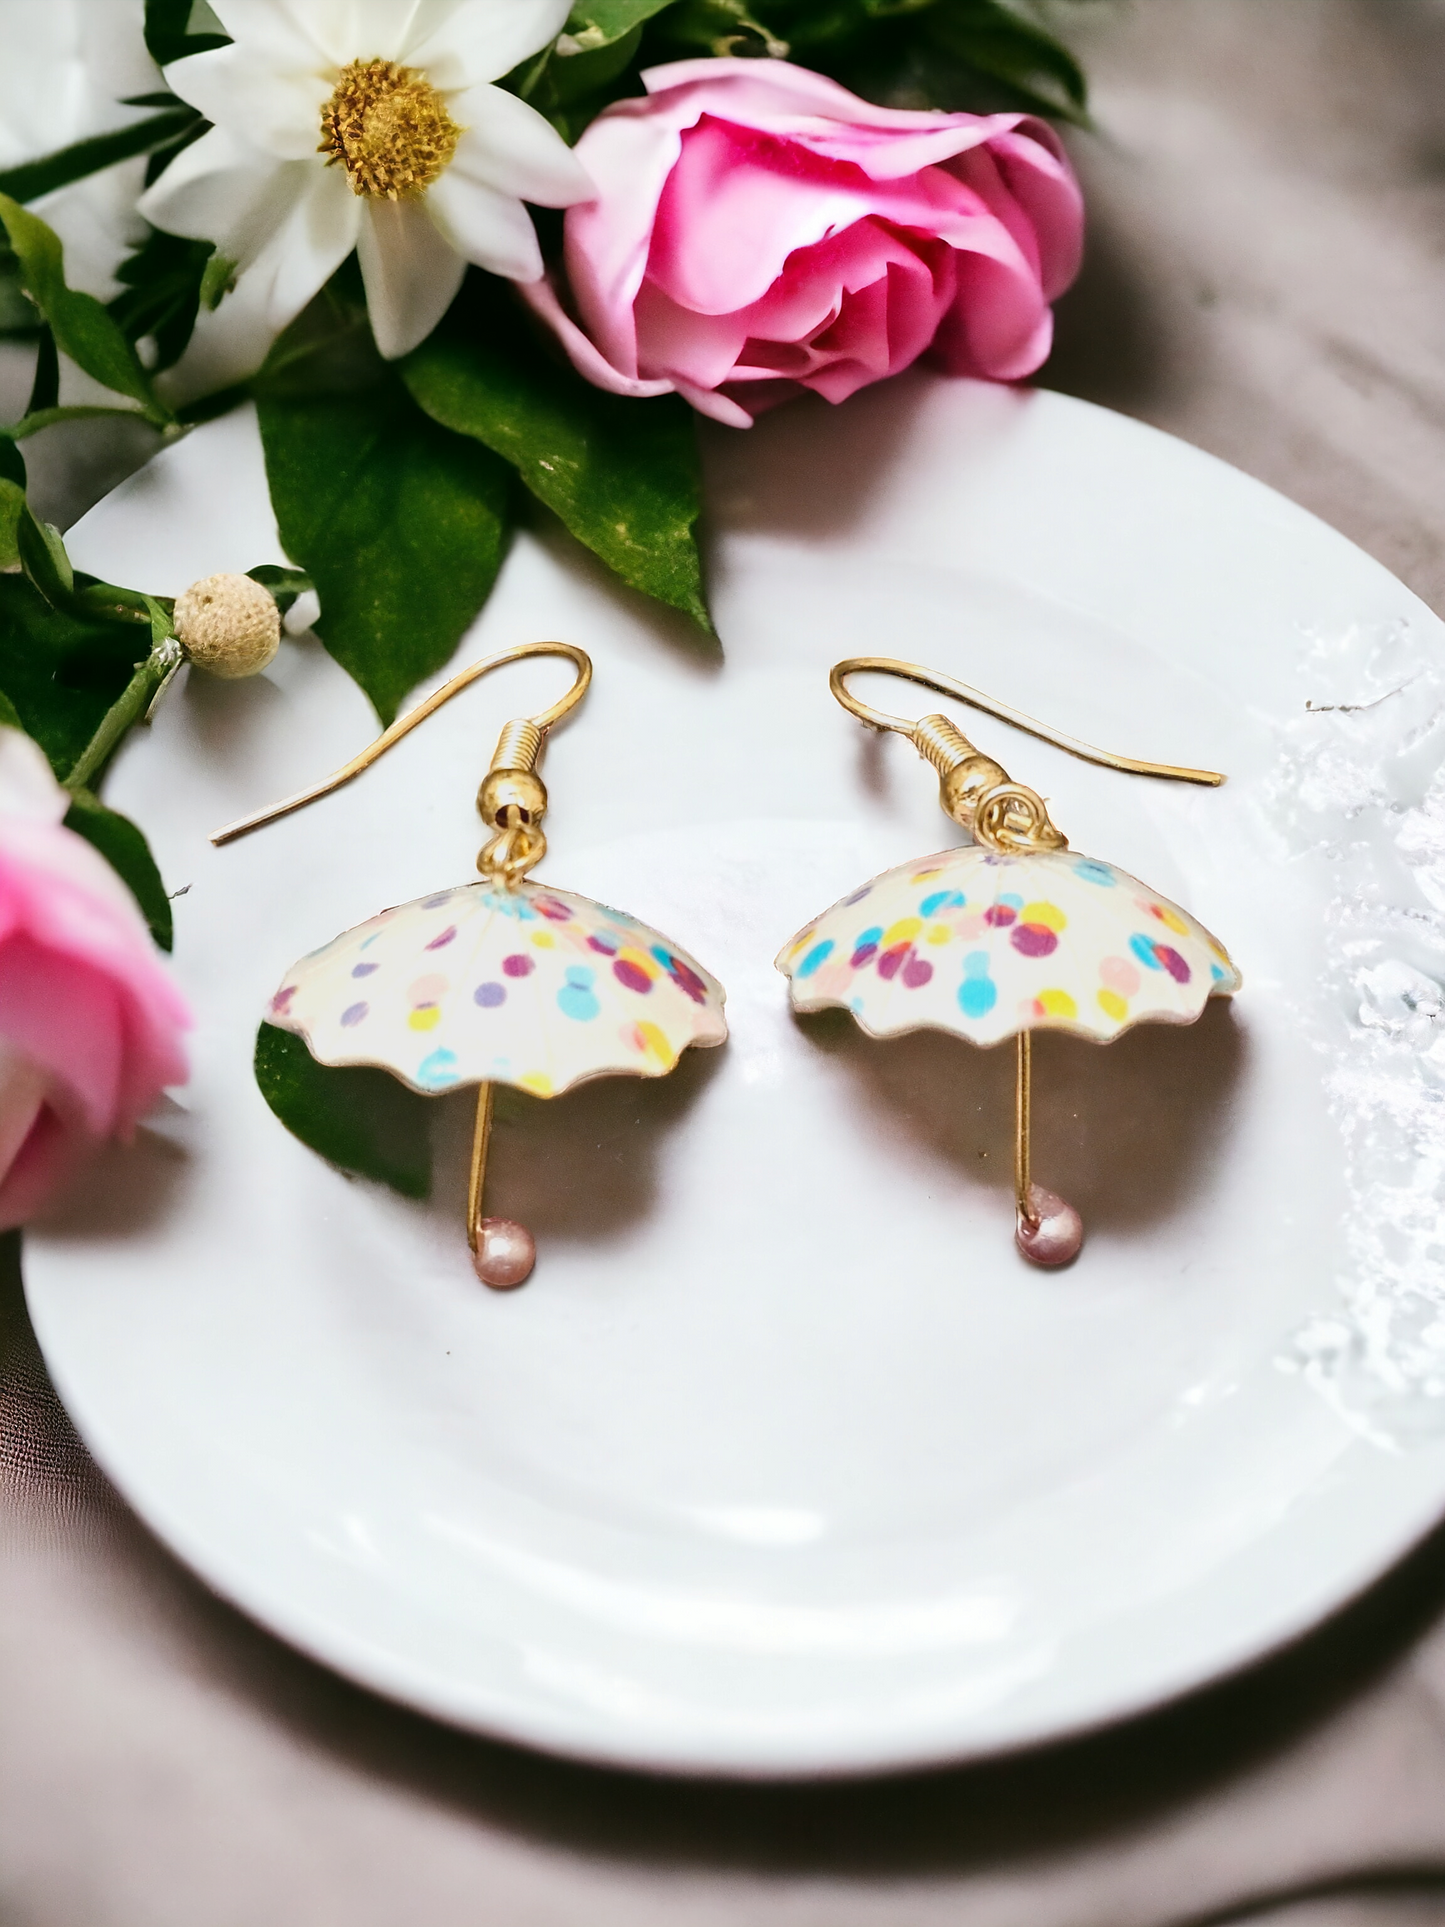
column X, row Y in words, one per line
column 1034, row 940
column 917, row 972
column 1119, row 974
column 517, row 965
column 630, row 977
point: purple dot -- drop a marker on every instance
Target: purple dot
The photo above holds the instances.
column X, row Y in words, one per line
column 1172, row 962
column 281, row 1001
column 1034, row 940
column 1000, row 915
column 353, row 1015
column 441, row 942
column 435, row 903
column 917, row 972
column 489, row 995
column 865, row 953
column 519, row 964
column 605, row 945
column 858, row 895
column 631, row 978
column 364, row 969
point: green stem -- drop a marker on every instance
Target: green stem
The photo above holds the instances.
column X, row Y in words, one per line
column 127, row 709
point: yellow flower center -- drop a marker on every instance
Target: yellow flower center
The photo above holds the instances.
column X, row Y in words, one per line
column 389, row 128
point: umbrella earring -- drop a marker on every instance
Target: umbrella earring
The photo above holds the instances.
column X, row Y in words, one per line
column 1011, row 933
column 505, row 981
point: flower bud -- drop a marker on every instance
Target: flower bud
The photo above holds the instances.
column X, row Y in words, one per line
column 228, row 625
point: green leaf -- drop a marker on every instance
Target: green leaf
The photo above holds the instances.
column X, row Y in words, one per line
column 81, row 326
column 217, row 281
column 596, row 23
column 162, row 287
column 12, row 463
column 362, row 1119
column 401, row 526
column 75, row 163
column 175, row 28
column 9, row 714
column 622, row 474
column 128, row 854
column 41, row 549
column 39, row 418
column 1035, row 68
column 62, row 670
column 12, row 507
column 285, row 584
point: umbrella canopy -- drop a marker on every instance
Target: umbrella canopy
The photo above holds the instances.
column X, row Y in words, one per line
column 987, row 943
column 530, row 986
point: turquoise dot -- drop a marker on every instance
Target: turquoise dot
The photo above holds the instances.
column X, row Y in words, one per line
column 1011, row 898
column 1093, row 872
column 975, row 964
column 438, row 1070
column 1216, row 973
column 942, row 900
column 977, row 996
column 1144, row 950
column 816, row 957
column 575, row 998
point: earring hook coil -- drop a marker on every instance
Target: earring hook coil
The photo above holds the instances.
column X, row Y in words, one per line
column 521, row 741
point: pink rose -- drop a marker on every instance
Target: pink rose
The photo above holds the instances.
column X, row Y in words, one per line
column 758, row 230
column 89, row 1021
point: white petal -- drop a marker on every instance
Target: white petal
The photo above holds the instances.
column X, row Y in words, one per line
column 316, row 231
column 291, row 33
column 492, row 229
column 27, row 787
column 508, row 145
column 480, row 40
column 360, row 29
column 276, row 108
column 411, row 272
column 224, row 190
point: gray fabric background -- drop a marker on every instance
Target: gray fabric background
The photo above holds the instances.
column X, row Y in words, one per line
column 1267, row 279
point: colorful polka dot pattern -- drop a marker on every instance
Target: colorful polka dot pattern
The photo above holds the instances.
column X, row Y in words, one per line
column 988, row 945
column 534, row 987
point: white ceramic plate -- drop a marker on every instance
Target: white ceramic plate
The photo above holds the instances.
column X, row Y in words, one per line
column 784, row 1462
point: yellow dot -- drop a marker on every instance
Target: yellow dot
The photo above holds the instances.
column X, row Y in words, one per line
column 658, row 1045
column 427, row 1018
column 640, row 960
column 544, row 940
column 904, row 931
column 940, row 933
column 1048, row 914
column 1113, row 1005
column 536, row 1083
column 1171, row 919
column 1058, row 1003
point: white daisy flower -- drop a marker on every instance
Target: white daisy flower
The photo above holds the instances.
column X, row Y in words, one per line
column 366, row 124
column 66, row 66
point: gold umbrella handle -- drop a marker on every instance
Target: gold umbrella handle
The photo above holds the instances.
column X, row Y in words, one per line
column 1047, row 1228
column 503, row 1251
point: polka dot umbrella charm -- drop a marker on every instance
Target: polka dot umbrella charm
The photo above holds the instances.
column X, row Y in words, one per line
column 1009, row 934
column 505, row 981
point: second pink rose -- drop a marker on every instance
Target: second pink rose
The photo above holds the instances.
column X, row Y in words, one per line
column 759, row 230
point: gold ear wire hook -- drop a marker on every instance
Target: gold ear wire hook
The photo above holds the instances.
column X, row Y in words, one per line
column 972, row 788
column 518, row 749
column 975, row 698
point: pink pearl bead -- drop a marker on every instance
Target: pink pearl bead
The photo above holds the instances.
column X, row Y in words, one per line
column 505, row 1254
column 1056, row 1237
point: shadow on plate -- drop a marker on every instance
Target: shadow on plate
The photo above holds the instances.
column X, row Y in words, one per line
column 582, row 1166
column 1124, row 1131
